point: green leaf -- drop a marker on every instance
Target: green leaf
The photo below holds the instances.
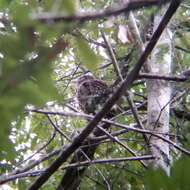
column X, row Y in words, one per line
column 6, row 147
column 68, row 6
column 179, row 179
column 8, row 45
column 47, row 5
column 180, row 174
column 87, row 55
column 20, row 12
column 4, row 3
column 156, row 180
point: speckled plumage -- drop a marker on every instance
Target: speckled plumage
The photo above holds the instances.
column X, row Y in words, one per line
column 91, row 93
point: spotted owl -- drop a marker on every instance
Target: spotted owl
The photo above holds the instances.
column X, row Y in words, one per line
column 92, row 93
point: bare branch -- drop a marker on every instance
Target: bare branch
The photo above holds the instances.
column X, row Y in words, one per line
column 112, row 11
column 179, row 78
column 105, row 161
column 21, row 175
column 120, row 143
column 138, row 130
column 39, row 150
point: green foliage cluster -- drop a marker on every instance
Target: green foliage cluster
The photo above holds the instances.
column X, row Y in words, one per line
column 178, row 179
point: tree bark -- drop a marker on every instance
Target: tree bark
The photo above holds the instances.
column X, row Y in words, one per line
column 159, row 94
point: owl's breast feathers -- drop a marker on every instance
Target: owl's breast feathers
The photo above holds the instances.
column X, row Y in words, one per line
column 92, row 94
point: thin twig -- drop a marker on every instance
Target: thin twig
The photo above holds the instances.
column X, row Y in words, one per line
column 128, row 94
column 123, row 145
column 138, row 130
column 39, row 150
column 105, row 161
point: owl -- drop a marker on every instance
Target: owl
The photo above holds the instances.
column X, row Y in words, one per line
column 92, row 93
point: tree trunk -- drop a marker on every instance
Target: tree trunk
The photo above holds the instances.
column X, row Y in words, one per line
column 159, row 94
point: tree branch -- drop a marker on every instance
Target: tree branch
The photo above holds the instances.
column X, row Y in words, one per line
column 112, row 11
column 105, row 161
column 138, row 130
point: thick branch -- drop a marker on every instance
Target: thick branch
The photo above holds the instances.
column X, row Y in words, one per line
column 112, row 11
column 180, row 78
column 76, row 165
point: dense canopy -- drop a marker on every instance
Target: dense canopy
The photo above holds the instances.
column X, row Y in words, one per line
column 127, row 126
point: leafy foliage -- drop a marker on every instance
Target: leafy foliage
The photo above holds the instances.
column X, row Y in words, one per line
column 39, row 64
column 24, row 78
column 88, row 57
column 178, row 179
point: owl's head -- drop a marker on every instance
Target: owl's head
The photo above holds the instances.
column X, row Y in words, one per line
column 84, row 78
